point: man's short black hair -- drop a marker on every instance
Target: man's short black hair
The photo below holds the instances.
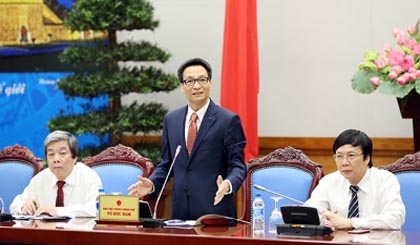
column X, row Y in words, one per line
column 193, row 62
column 355, row 138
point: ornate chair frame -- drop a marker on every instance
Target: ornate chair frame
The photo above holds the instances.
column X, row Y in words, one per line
column 406, row 167
column 17, row 155
column 288, row 157
column 21, row 154
column 408, row 163
column 120, row 155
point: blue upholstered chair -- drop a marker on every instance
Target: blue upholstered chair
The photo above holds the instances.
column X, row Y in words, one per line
column 118, row 167
column 407, row 170
column 286, row 171
column 17, row 166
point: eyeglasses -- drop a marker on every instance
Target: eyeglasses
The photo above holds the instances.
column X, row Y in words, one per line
column 191, row 81
column 339, row 158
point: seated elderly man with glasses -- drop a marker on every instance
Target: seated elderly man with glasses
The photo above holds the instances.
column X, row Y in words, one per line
column 358, row 195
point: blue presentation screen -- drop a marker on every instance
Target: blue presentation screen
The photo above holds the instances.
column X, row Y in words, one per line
column 28, row 100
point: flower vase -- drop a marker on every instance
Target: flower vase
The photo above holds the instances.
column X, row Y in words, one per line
column 410, row 108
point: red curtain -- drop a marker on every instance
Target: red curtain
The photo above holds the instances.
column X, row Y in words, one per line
column 239, row 87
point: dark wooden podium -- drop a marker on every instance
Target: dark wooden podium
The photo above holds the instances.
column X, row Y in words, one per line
column 410, row 108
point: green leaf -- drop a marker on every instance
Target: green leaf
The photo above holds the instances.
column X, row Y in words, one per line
column 417, row 65
column 392, row 88
column 98, row 71
column 387, row 69
column 370, row 55
column 118, row 82
column 99, row 15
column 135, row 118
column 406, row 50
column 417, row 85
column 97, row 52
column 361, row 82
column 368, row 65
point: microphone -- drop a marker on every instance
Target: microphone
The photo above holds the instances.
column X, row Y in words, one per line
column 2, row 205
column 154, row 222
column 4, row 217
column 177, row 151
column 261, row 188
column 298, row 220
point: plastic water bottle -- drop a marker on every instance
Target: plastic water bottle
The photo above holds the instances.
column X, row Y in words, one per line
column 258, row 206
column 101, row 191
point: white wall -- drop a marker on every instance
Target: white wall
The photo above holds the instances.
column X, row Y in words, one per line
column 308, row 52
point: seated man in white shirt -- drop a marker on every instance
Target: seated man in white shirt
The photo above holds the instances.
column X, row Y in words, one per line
column 80, row 183
column 358, row 195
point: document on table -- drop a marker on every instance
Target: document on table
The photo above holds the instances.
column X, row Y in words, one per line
column 173, row 223
column 40, row 217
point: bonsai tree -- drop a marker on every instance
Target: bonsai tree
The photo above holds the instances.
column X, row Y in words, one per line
column 109, row 77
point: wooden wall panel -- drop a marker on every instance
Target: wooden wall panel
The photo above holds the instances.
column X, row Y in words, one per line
column 318, row 149
column 385, row 150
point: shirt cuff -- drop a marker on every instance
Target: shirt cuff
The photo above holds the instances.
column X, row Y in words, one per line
column 356, row 223
column 153, row 188
column 230, row 187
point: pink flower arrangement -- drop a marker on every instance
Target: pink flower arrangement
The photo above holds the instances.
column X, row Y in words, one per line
column 394, row 71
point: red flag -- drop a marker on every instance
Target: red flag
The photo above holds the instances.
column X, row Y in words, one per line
column 239, row 87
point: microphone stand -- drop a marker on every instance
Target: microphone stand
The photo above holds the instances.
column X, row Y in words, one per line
column 4, row 217
column 293, row 229
column 154, row 222
column 261, row 188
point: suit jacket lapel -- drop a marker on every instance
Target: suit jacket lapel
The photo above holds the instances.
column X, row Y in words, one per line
column 208, row 121
column 179, row 128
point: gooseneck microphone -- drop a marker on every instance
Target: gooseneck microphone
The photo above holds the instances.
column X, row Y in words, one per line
column 259, row 187
column 298, row 220
column 154, row 222
column 4, row 217
column 2, row 205
column 178, row 149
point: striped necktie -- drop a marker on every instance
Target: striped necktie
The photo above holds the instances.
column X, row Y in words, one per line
column 354, row 203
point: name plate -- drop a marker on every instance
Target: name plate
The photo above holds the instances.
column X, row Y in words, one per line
column 114, row 207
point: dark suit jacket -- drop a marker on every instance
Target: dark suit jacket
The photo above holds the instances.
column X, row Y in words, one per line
column 218, row 150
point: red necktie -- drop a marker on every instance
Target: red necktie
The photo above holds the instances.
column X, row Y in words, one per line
column 192, row 132
column 60, row 195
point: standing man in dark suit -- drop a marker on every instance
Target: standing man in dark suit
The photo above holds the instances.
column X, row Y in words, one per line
column 210, row 169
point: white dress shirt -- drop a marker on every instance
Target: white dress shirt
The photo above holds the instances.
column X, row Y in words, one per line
column 380, row 203
column 200, row 115
column 380, row 237
column 80, row 192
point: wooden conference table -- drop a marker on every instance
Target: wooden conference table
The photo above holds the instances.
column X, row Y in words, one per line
column 86, row 231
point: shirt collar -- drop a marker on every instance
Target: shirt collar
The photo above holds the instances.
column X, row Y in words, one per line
column 200, row 113
column 70, row 180
column 363, row 184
